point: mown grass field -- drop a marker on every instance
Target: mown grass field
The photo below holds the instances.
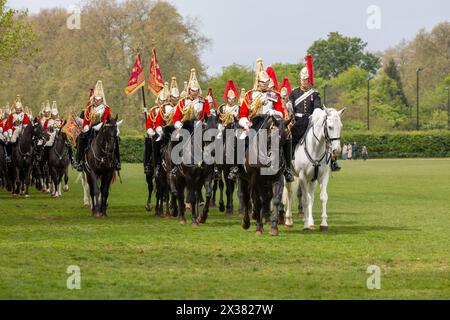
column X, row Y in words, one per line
column 391, row 213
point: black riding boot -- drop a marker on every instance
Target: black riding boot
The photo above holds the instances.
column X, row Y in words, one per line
column 8, row 152
column 287, row 166
column 117, row 155
column 81, row 147
column 334, row 164
column 147, row 156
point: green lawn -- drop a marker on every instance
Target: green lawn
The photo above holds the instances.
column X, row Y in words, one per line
column 391, row 213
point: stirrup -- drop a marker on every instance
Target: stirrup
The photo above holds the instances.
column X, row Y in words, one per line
column 232, row 175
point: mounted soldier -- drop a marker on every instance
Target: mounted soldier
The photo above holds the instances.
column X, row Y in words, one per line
column 46, row 113
column 302, row 102
column 259, row 102
column 96, row 114
column 15, row 123
column 52, row 126
column 228, row 112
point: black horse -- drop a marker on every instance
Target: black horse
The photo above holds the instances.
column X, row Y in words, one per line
column 22, row 156
column 224, row 170
column 194, row 176
column 58, row 162
column 100, row 165
column 6, row 169
column 257, row 187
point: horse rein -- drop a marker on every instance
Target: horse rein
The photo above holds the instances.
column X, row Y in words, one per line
column 327, row 153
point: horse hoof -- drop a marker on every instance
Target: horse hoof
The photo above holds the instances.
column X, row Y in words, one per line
column 27, row 196
column 182, row 221
column 289, row 226
column 148, row 207
column 246, row 225
column 274, row 232
column 324, row 228
column 258, row 232
column 221, row 207
column 86, row 206
column 195, row 224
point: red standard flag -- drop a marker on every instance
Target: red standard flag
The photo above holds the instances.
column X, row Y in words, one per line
column 156, row 82
column 137, row 79
column 72, row 129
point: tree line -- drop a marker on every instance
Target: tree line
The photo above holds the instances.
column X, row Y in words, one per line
column 44, row 60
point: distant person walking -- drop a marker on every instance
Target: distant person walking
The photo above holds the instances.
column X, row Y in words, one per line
column 364, row 153
column 349, row 152
column 355, row 151
column 344, row 151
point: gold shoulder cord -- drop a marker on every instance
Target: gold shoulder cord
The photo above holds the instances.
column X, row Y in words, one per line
column 257, row 105
column 169, row 118
column 150, row 113
column 225, row 117
column 188, row 112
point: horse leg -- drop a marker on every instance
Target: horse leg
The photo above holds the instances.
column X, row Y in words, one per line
column 300, row 204
column 208, row 195
column 106, row 182
column 85, row 186
column 66, row 180
column 27, row 181
column 93, row 189
column 194, row 201
column 54, row 176
column 17, row 181
column 173, row 205
column 245, row 203
column 181, row 205
column 221, row 202
column 241, row 198
column 149, row 179
column 257, row 210
column 324, row 200
column 289, row 223
column 213, row 198
column 230, row 191
column 307, row 190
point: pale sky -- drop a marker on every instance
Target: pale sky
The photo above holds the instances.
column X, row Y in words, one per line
column 282, row 30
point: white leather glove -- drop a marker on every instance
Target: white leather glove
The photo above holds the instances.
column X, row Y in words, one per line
column 150, row 132
column 86, row 128
column 145, row 110
column 159, row 131
column 178, row 125
column 275, row 113
column 1, row 130
column 244, row 123
column 9, row 132
column 98, row 126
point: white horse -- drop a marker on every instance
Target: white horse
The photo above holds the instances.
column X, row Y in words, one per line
column 312, row 164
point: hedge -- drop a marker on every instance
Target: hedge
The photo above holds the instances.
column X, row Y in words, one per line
column 413, row 144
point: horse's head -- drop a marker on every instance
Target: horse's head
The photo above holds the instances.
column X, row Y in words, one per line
column 110, row 129
column 332, row 128
column 36, row 130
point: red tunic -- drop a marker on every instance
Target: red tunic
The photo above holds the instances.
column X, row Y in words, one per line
column 87, row 116
column 178, row 116
column 10, row 122
column 244, row 111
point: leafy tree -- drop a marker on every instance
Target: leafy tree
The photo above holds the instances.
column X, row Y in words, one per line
column 16, row 35
column 338, row 53
column 242, row 76
column 392, row 72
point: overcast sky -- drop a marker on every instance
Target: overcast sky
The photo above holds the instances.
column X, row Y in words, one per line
column 282, row 30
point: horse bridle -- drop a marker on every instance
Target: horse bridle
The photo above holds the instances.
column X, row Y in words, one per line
column 327, row 154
